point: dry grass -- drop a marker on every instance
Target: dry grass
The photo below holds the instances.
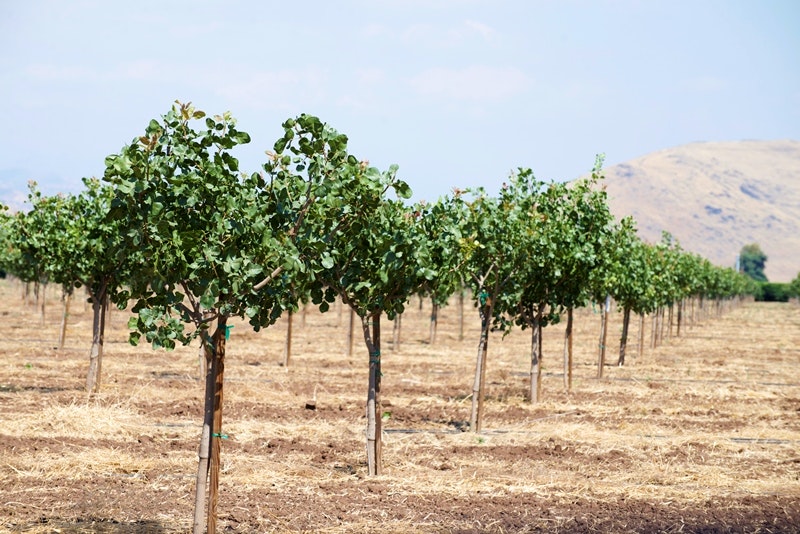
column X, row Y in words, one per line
column 706, row 424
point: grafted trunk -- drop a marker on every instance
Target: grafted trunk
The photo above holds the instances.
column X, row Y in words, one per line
column 623, row 342
column 374, row 443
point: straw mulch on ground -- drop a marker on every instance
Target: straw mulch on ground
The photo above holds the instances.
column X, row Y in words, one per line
column 701, row 434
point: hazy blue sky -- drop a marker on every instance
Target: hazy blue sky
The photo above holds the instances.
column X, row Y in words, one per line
column 456, row 92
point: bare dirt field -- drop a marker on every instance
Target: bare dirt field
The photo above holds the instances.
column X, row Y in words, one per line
column 701, row 434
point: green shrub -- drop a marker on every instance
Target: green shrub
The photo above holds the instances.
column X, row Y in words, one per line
column 773, row 292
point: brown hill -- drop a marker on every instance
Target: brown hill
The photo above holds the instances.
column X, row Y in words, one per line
column 716, row 197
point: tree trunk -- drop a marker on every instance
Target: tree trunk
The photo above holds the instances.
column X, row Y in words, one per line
column 218, row 370
column 680, row 317
column 461, row 315
column 536, row 358
column 99, row 307
column 653, row 328
column 568, row 352
column 44, row 302
column 350, row 330
column 209, row 450
column 373, row 341
column 398, row 323
column 669, row 322
column 601, row 360
column 208, row 347
column 434, row 321
column 204, row 352
column 476, row 416
column 623, row 342
column 287, row 349
column 62, row 334
column 641, row 334
column 202, row 358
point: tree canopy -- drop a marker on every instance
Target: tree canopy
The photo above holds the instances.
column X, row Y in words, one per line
column 752, row 260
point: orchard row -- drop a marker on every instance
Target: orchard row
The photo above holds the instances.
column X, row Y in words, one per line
column 177, row 228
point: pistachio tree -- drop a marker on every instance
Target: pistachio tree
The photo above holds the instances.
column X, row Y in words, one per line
column 7, row 250
column 570, row 233
column 218, row 243
column 374, row 266
column 83, row 248
column 441, row 224
column 493, row 238
column 630, row 277
column 28, row 242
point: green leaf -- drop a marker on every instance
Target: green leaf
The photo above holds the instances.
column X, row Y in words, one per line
column 402, row 189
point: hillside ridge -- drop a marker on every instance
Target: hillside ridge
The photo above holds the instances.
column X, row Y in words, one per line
column 715, row 197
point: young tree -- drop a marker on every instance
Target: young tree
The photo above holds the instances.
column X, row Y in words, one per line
column 752, row 261
column 494, row 234
column 7, row 250
column 219, row 244
column 441, row 226
column 794, row 287
column 374, row 266
column 571, row 227
column 83, row 248
column 26, row 255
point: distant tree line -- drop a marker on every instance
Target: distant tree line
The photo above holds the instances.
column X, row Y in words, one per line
column 752, row 261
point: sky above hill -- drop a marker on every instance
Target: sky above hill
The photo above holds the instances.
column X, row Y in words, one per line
column 458, row 93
